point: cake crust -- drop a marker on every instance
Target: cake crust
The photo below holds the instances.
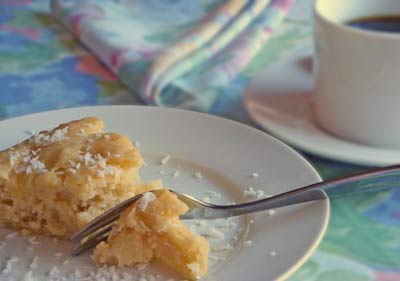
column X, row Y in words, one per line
column 56, row 181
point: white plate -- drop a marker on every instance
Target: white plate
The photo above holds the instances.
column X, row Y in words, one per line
column 226, row 153
column 279, row 99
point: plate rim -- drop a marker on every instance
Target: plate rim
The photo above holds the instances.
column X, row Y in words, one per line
column 313, row 172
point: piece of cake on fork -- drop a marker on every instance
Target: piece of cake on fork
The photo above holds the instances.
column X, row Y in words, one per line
column 151, row 229
column 57, row 181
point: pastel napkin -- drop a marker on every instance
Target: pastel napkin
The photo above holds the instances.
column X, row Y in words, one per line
column 179, row 53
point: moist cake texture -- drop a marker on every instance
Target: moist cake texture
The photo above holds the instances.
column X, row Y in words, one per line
column 57, row 181
column 151, row 228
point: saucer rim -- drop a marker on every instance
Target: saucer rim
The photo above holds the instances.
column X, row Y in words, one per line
column 361, row 154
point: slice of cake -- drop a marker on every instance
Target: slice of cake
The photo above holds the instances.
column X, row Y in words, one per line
column 151, row 228
column 57, row 181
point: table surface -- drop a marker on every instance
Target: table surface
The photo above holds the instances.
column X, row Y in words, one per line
column 42, row 67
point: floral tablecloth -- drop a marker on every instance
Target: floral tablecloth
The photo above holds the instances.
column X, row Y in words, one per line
column 42, row 67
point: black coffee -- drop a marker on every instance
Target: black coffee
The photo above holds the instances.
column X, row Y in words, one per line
column 384, row 23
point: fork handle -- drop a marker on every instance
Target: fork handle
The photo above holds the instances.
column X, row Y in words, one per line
column 371, row 181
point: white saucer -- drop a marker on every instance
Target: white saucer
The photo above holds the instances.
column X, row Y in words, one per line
column 279, row 99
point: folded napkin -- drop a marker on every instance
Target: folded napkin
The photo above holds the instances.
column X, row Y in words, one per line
column 173, row 53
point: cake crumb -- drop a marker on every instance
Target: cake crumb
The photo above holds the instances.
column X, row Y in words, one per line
column 254, row 175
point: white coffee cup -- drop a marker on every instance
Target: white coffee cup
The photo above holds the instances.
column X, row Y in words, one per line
column 357, row 72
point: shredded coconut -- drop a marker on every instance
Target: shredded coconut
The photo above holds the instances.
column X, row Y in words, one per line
column 54, row 271
column 33, row 263
column 141, row 266
column 250, row 192
column 256, row 193
column 31, row 161
column 213, row 194
column 247, row 243
column 194, row 267
column 28, row 276
column 99, row 163
column 165, row 159
column 72, row 171
column 11, row 235
column 272, row 254
column 214, row 258
column 30, row 132
column 9, row 264
column 232, row 224
column 214, row 233
column 14, row 157
column 33, row 241
column 77, row 273
column 81, row 133
column 175, row 174
column 56, row 136
column 254, row 175
column 223, row 248
column 270, row 213
column 147, row 197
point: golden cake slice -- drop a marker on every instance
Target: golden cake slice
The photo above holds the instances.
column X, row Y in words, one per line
column 57, row 181
column 151, row 229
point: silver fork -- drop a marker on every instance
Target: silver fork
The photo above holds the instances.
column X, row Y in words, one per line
column 370, row 181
